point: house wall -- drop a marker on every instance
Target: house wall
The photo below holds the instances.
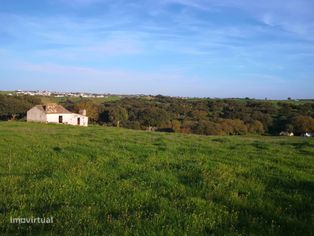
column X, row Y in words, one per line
column 36, row 115
column 70, row 119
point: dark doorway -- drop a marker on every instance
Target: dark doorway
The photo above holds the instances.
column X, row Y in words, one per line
column 60, row 119
column 78, row 121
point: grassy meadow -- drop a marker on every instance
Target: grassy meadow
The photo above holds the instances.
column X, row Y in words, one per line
column 110, row 181
column 49, row 99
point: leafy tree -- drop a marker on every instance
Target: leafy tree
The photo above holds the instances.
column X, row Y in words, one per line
column 255, row 127
column 206, row 128
column 303, row 124
column 235, row 127
column 155, row 117
column 68, row 104
column 14, row 107
column 92, row 110
column 117, row 114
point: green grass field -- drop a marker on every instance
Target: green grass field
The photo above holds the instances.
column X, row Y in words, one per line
column 102, row 181
column 48, row 99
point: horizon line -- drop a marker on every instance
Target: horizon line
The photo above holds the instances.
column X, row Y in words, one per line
column 155, row 95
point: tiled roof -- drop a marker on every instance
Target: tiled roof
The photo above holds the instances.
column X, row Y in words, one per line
column 53, row 108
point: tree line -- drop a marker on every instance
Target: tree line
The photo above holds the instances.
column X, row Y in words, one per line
column 201, row 116
column 198, row 116
column 15, row 107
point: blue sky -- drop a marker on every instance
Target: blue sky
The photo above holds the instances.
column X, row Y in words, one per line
column 202, row 48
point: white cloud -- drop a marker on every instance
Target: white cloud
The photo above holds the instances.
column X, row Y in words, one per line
column 295, row 16
column 133, row 33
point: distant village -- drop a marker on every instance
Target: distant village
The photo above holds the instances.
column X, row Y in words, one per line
column 69, row 94
column 59, row 94
column 77, row 94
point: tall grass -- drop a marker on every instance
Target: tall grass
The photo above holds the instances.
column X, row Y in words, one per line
column 101, row 181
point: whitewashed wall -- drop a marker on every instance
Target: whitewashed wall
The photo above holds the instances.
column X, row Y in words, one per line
column 36, row 115
column 70, row 119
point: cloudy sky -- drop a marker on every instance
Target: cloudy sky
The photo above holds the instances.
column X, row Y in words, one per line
column 203, row 48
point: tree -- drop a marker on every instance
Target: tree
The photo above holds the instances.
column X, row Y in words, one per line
column 206, row 128
column 92, row 109
column 255, row 127
column 13, row 107
column 303, row 124
column 233, row 126
column 68, row 104
column 199, row 115
column 117, row 114
column 154, row 116
column 176, row 125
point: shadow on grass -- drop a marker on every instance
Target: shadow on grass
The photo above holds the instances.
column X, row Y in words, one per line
column 261, row 145
column 58, row 149
column 40, row 174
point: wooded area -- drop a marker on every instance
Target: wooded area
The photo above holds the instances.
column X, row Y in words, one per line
column 198, row 116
